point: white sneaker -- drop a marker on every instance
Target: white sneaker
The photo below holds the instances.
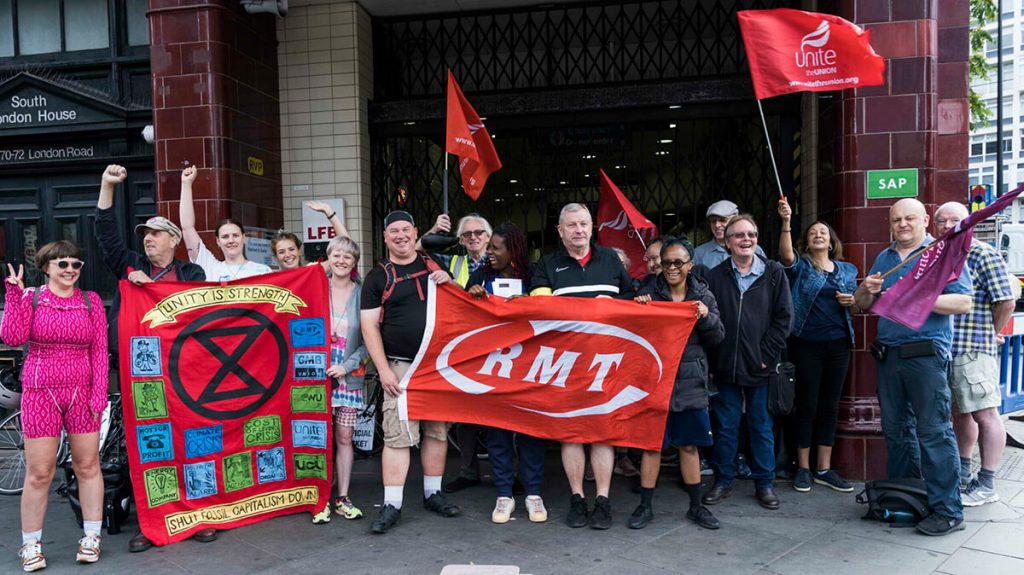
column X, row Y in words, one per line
column 503, row 509
column 88, row 548
column 31, row 555
column 535, row 507
column 978, row 495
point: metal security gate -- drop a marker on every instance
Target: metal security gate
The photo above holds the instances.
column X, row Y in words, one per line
column 655, row 93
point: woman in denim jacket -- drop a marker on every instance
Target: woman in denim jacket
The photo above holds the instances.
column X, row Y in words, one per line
column 819, row 346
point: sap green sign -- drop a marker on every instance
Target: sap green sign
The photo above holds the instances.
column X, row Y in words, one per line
column 892, row 183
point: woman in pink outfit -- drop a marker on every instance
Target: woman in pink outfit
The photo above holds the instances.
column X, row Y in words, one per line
column 64, row 386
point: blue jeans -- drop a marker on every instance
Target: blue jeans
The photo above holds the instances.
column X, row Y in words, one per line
column 728, row 406
column 914, row 396
column 501, row 452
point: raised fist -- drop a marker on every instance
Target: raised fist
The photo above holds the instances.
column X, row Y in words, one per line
column 114, row 174
column 188, row 175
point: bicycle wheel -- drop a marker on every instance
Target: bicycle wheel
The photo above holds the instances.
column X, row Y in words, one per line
column 12, row 455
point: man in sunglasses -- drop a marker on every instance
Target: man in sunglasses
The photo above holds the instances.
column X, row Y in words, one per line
column 473, row 233
column 160, row 238
column 755, row 306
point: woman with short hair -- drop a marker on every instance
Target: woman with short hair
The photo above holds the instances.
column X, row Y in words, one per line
column 64, row 389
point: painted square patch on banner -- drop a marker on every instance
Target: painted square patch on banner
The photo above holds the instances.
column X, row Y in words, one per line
column 149, row 399
column 161, row 485
column 237, row 471
column 309, row 433
column 309, row 365
column 270, row 465
column 307, row 332
column 155, row 443
column 265, row 430
column 309, row 399
column 200, row 441
column 200, row 479
column 310, row 465
column 145, row 357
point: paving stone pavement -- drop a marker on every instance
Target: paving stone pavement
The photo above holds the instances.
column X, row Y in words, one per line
column 813, row 533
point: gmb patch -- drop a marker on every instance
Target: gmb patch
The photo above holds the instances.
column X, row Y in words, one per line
column 309, row 365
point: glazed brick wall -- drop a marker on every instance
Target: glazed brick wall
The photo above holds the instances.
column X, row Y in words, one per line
column 215, row 105
column 918, row 119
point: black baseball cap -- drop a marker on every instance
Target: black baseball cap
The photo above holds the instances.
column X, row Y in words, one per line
column 398, row 216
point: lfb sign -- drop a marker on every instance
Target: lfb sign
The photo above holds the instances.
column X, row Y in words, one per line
column 316, row 228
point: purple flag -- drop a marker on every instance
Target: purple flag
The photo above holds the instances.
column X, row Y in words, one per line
column 909, row 301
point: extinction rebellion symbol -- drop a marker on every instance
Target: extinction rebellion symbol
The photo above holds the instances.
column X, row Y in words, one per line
column 233, row 390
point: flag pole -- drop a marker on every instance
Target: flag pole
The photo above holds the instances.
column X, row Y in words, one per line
column 771, row 154
column 444, row 186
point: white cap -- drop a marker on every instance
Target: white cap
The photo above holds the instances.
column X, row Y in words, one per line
column 723, row 209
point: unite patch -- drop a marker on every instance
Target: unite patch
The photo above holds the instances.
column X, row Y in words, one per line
column 309, row 433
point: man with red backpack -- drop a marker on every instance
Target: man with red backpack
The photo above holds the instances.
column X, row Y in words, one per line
column 393, row 317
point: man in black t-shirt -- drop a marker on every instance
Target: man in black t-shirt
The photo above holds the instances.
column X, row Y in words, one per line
column 398, row 287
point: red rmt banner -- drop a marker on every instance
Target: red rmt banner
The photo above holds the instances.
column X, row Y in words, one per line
column 226, row 400
column 561, row 368
column 795, row 51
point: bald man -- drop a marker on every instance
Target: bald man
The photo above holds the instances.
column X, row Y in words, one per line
column 913, row 367
column 974, row 380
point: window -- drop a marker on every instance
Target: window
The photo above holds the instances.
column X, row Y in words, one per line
column 138, row 24
column 85, row 25
column 29, row 27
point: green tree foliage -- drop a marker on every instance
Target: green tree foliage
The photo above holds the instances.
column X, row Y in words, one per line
column 982, row 12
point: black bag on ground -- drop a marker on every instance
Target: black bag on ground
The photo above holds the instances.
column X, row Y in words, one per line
column 782, row 389
column 898, row 501
column 117, row 495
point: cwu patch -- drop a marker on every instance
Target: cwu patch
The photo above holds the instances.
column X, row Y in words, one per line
column 270, row 465
column 309, row 433
column 307, row 332
column 155, row 443
column 145, row 357
column 200, row 441
column 200, row 479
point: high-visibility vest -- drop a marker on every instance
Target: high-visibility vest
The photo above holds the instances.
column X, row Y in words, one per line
column 459, row 266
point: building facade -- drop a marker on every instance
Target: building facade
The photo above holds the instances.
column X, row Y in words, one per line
column 345, row 100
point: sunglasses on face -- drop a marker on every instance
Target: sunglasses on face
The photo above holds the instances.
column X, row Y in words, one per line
column 669, row 264
column 473, row 233
column 63, row 264
column 741, row 235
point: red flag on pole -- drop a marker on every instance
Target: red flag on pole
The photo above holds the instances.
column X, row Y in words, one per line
column 467, row 138
column 910, row 300
column 621, row 225
column 794, row 51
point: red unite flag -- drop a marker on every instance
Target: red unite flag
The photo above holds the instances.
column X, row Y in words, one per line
column 467, row 138
column 795, row 51
column 621, row 225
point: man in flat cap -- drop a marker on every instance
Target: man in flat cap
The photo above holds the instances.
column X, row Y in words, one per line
column 160, row 238
column 713, row 252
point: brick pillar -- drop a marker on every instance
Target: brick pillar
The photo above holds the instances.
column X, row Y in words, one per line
column 918, row 119
column 215, row 106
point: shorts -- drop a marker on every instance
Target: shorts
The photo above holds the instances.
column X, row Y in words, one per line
column 974, row 382
column 346, row 416
column 400, row 434
column 690, row 427
column 45, row 412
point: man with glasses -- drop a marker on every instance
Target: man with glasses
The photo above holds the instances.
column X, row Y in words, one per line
column 474, row 233
column 912, row 367
column 755, row 306
column 974, row 379
column 160, row 238
column 580, row 269
column 713, row 252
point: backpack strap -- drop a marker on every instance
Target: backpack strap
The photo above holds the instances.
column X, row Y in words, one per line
column 392, row 278
column 910, row 500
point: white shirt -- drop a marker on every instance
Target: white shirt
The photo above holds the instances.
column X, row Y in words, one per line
column 218, row 271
